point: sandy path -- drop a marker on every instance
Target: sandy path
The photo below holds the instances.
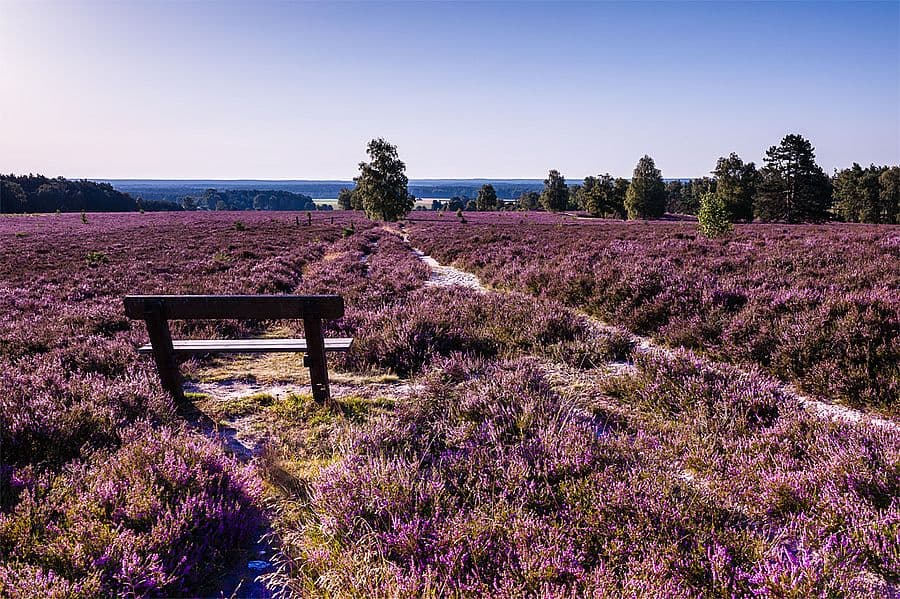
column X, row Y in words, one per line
column 443, row 275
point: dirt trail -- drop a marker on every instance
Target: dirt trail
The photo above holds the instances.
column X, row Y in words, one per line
column 449, row 275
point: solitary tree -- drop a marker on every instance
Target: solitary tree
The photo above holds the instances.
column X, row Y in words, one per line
column 714, row 216
column 646, row 197
column 555, row 197
column 736, row 184
column 793, row 188
column 382, row 184
column 487, row 198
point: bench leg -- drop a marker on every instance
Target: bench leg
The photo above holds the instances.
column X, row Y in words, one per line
column 164, row 355
column 315, row 359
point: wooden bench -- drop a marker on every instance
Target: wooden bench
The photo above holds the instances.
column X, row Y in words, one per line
column 158, row 310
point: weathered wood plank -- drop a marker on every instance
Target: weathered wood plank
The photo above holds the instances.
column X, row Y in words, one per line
column 315, row 359
column 250, row 346
column 257, row 307
column 163, row 352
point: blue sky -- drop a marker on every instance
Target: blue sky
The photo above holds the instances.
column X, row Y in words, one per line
column 294, row 90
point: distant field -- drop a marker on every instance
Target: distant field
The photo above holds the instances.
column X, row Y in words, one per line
column 607, row 409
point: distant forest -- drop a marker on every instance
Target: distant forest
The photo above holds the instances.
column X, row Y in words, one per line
column 36, row 193
column 250, row 199
column 174, row 191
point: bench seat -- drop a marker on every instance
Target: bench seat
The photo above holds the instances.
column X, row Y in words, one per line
column 249, row 346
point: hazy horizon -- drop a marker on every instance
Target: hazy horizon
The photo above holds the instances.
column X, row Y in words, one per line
column 293, row 91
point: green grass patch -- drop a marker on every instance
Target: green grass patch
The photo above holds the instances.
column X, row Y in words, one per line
column 243, row 406
column 304, row 407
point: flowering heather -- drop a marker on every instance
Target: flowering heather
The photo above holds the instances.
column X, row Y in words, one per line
column 157, row 516
column 512, row 459
column 489, row 481
column 101, row 492
column 817, row 305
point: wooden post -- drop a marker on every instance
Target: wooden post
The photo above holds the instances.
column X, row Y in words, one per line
column 315, row 358
column 163, row 351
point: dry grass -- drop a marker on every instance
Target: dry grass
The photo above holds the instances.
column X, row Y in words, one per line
column 265, row 369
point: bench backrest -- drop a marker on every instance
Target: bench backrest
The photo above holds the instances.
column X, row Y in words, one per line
column 215, row 307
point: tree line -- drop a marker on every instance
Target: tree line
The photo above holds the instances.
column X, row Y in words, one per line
column 36, row 193
column 790, row 187
column 250, row 199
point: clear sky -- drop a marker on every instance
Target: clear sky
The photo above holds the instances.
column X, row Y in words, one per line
column 290, row 90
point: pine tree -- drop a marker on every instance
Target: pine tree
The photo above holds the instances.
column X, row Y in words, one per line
column 646, row 196
column 793, row 188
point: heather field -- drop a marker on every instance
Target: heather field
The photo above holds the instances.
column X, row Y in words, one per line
column 818, row 306
column 612, row 414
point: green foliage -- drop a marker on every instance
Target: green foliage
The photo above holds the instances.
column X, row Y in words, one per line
column 348, row 231
column 487, row 198
column 382, row 183
column 793, row 187
column 714, row 216
column 674, row 196
column 603, row 196
column 244, row 406
column 84, row 219
column 345, row 199
column 646, row 196
column 555, row 196
column 249, row 199
column 687, row 199
column 457, row 203
column 239, row 226
column 736, row 184
column 867, row 195
column 529, row 200
column 36, row 193
column 12, row 197
column 94, row 259
column 889, row 181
